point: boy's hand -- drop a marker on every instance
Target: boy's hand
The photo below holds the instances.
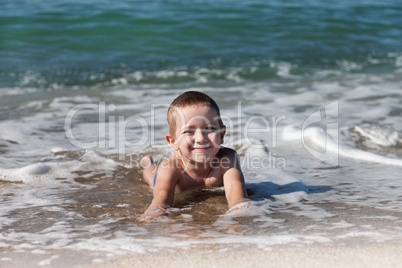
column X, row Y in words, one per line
column 152, row 214
column 147, row 218
column 240, row 208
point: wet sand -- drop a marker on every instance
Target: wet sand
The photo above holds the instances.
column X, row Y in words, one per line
column 365, row 256
column 378, row 255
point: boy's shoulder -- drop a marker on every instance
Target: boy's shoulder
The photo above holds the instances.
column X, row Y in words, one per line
column 225, row 152
column 170, row 165
column 228, row 158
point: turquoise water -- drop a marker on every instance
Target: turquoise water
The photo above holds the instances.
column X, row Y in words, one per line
column 90, row 42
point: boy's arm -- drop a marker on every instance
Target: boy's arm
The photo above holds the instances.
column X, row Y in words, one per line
column 163, row 195
column 233, row 179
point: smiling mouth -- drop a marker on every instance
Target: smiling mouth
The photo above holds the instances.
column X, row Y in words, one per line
column 202, row 148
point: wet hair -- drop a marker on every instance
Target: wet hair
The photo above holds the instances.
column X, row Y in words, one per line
column 190, row 98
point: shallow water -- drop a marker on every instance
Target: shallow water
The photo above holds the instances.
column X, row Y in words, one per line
column 312, row 104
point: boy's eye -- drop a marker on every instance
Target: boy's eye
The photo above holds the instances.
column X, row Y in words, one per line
column 188, row 131
column 192, row 131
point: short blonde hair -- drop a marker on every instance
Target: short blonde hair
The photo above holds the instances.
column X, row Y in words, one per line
column 190, row 98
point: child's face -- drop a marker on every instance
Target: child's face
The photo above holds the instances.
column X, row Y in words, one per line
column 198, row 135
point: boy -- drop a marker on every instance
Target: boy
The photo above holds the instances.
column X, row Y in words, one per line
column 196, row 133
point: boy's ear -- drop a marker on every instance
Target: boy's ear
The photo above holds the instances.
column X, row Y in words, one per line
column 223, row 132
column 172, row 141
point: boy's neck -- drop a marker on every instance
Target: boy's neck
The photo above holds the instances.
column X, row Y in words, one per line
column 195, row 168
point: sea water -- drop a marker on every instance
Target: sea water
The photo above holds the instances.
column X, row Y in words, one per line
column 310, row 92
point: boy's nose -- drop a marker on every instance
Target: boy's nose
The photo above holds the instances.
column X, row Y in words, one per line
column 199, row 136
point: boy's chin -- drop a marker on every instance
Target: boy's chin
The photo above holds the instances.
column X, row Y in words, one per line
column 201, row 159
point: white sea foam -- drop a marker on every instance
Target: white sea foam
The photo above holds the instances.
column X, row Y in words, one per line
column 319, row 140
column 302, row 202
column 379, row 135
column 45, row 173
